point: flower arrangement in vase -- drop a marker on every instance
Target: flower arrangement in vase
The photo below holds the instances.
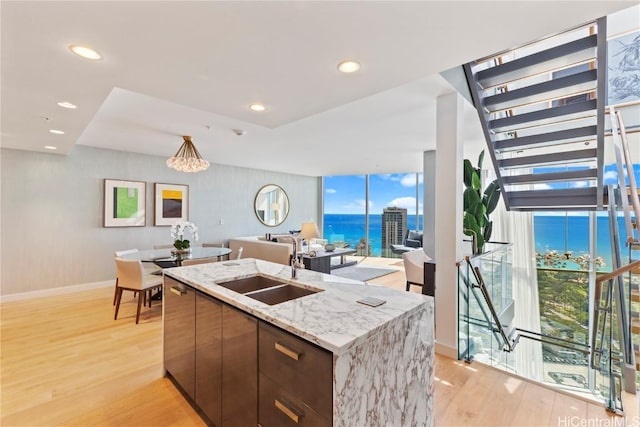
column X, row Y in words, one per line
column 178, row 230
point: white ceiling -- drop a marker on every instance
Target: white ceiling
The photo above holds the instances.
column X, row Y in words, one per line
column 192, row 68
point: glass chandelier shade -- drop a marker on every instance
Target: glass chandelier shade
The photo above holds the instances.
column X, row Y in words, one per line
column 187, row 158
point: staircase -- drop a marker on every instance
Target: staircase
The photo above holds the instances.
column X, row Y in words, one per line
column 541, row 107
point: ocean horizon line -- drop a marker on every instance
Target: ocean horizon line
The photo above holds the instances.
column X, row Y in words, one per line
column 560, row 233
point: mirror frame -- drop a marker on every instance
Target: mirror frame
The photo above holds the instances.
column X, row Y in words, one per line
column 284, row 198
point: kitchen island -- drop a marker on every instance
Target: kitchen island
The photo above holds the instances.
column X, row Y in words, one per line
column 379, row 359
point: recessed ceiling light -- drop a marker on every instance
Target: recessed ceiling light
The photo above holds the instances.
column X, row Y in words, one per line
column 85, row 52
column 56, row 131
column 50, row 147
column 65, row 104
column 257, row 107
column 348, row 66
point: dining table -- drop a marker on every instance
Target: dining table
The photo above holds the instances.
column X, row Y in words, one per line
column 165, row 257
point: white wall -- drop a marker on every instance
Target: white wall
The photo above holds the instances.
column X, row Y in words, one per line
column 52, row 208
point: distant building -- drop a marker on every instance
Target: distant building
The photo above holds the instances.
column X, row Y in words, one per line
column 394, row 225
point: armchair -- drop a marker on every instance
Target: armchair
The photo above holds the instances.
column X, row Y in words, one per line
column 412, row 241
column 414, row 267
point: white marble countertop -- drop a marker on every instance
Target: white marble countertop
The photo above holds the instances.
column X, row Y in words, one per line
column 332, row 318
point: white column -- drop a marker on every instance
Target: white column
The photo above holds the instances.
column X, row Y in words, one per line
column 443, row 216
column 429, row 205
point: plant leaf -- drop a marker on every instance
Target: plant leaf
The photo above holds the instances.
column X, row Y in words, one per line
column 486, row 233
column 470, row 198
column 475, row 180
column 479, row 213
column 491, row 196
column 470, row 225
column 468, row 173
column 480, row 159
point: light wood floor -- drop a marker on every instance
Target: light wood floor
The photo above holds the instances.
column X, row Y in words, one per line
column 64, row 361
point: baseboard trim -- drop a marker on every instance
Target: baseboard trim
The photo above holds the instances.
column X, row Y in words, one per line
column 445, row 350
column 56, row 291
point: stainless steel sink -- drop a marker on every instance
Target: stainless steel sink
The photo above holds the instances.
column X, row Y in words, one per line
column 280, row 294
column 266, row 290
column 250, row 284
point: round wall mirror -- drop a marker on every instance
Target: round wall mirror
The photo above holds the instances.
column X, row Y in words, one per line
column 271, row 205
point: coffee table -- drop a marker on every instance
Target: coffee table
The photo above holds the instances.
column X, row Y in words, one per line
column 322, row 261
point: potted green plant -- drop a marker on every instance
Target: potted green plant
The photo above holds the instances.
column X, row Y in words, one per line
column 478, row 205
column 181, row 244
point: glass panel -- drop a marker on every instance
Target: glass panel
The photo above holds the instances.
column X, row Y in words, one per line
column 564, row 314
column 478, row 331
column 562, row 240
column 344, row 210
column 392, row 201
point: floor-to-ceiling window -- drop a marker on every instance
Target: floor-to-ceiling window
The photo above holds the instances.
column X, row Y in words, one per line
column 572, row 248
column 344, row 209
column 563, row 254
column 371, row 212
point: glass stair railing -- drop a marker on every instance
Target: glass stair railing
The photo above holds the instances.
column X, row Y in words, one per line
column 612, row 355
column 486, row 306
column 488, row 333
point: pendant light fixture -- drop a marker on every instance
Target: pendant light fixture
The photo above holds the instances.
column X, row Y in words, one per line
column 187, row 158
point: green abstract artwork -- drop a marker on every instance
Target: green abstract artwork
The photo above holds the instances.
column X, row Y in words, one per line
column 125, row 202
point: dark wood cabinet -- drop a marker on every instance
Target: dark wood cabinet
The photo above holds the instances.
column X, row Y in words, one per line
column 208, row 372
column 179, row 334
column 240, row 368
column 279, row 407
column 239, row 371
column 295, row 371
column 211, row 351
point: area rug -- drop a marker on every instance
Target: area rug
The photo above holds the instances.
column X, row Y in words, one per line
column 362, row 274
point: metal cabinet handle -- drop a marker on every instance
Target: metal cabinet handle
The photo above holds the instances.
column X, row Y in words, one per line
column 294, row 415
column 287, row 351
column 178, row 291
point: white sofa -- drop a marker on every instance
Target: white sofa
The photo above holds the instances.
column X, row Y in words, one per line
column 256, row 247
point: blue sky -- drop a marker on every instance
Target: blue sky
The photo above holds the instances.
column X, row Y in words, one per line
column 346, row 194
column 610, row 175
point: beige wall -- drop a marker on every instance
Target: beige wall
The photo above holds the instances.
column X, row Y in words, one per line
column 52, row 207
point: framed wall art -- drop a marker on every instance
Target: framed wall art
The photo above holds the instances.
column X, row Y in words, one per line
column 124, row 203
column 623, row 68
column 171, row 203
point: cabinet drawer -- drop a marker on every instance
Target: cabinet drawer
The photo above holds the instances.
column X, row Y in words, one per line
column 279, row 408
column 301, row 368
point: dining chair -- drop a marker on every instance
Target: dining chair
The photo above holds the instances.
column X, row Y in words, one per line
column 119, row 254
column 414, row 267
column 216, row 245
column 131, row 277
column 152, row 269
column 199, row 261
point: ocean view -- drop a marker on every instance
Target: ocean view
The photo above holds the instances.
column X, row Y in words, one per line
column 552, row 232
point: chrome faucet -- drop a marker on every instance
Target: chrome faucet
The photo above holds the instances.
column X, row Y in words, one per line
column 294, row 260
